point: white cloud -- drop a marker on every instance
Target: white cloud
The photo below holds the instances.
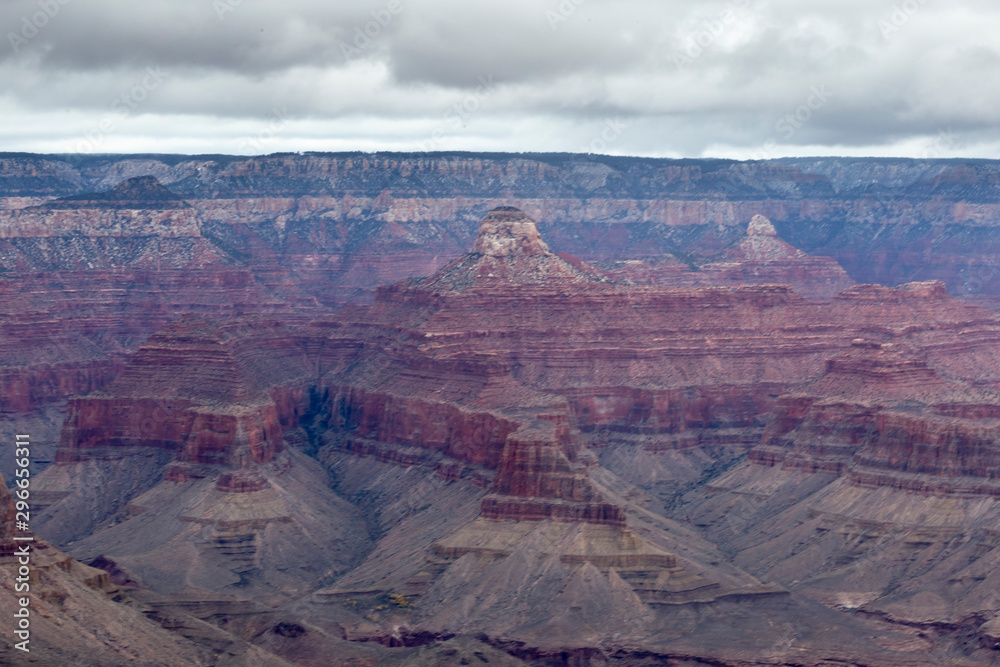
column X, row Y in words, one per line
column 688, row 78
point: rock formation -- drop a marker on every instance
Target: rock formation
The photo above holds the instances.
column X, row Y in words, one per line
column 658, row 371
column 189, row 449
column 141, row 192
column 536, row 481
column 508, row 251
column 762, row 257
column 520, row 446
column 322, row 217
column 759, row 258
column 108, row 254
column 71, row 612
column 879, row 408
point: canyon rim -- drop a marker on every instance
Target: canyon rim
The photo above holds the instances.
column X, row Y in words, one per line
column 541, row 409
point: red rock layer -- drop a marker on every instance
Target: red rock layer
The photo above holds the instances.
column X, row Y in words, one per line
column 942, row 446
column 214, row 437
column 759, row 258
column 86, row 279
column 44, row 360
column 536, row 481
column 469, row 435
column 99, row 425
column 232, row 482
column 885, row 418
column 196, row 390
column 458, row 362
column 506, row 508
column 677, row 410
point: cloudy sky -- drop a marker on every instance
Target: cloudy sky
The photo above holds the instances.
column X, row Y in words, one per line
column 730, row 78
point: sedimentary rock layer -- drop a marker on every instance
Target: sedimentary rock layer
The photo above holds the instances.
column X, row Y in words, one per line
column 468, row 380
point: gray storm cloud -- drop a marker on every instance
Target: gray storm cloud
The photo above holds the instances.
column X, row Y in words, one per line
column 735, row 78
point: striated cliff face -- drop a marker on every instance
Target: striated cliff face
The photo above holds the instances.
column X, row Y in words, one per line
column 536, row 481
column 882, row 415
column 759, row 258
column 874, row 487
column 186, row 390
column 86, row 278
column 523, row 420
column 333, row 218
column 114, row 248
column 186, row 453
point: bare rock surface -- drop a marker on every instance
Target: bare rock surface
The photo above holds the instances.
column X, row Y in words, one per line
column 517, row 449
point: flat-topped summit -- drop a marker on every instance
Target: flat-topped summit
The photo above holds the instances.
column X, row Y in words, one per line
column 508, row 231
column 508, row 251
column 761, row 226
column 141, row 192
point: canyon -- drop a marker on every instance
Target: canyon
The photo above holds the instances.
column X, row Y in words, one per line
column 521, row 409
